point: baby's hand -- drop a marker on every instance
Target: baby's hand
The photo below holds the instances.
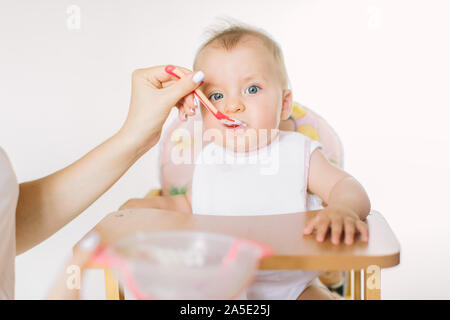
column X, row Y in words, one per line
column 339, row 218
column 137, row 203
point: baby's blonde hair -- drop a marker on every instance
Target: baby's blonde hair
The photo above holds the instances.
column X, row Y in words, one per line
column 229, row 37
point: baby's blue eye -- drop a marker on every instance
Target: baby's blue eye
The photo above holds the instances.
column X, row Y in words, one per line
column 216, row 96
column 253, row 89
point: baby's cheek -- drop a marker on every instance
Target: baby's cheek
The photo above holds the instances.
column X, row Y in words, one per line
column 266, row 120
column 212, row 128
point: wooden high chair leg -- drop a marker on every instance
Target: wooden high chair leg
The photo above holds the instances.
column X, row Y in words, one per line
column 113, row 289
column 370, row 286
column 348, row 285
column 372, row 281
column 357, row 285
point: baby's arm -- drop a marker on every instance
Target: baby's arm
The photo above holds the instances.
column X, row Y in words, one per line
column 347, row 201
column 177, row 202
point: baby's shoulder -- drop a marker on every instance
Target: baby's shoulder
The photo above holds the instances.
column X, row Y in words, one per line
column 292, row 137
column 296, row 144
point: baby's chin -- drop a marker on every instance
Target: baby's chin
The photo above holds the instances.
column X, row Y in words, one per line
column 247, row 139
column 243, row 147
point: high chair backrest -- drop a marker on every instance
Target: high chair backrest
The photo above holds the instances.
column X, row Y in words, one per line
column 177, row 145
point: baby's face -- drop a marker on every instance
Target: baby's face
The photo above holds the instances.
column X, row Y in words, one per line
column 244, row 84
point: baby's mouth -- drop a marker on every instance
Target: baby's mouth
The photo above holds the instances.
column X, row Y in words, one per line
column 235, row 126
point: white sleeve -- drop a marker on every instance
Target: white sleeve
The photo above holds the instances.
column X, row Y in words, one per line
column 310, row 146
column 313, row 202
column 313, row 145
column 9, row 193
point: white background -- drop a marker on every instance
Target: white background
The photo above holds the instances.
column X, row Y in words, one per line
column 378, row 71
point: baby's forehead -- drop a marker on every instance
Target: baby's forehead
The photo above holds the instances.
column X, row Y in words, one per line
column 248, row 56
column 253, row 46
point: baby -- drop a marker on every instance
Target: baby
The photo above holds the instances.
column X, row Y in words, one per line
column 258, row 168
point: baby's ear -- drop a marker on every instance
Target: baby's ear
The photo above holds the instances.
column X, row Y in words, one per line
column 286, row 107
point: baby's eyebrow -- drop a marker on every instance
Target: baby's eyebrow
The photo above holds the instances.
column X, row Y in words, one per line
column 206, row 85
column 209, row 84
column 252, row 76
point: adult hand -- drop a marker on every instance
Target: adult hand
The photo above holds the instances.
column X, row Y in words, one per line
column 154, row 92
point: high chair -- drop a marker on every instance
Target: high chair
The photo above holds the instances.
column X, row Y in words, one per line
column 358, row 261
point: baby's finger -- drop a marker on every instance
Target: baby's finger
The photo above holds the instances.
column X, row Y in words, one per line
column 349, row 226
column 131, row 203
column 363, row 229
column 322, row 229
column 336, row 231
column 309, row 228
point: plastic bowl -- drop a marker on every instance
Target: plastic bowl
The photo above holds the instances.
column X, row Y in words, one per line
column 184, row 264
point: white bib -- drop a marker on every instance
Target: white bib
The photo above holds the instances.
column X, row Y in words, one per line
column 270, row 180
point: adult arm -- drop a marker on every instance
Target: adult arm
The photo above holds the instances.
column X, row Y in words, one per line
column 47, row 204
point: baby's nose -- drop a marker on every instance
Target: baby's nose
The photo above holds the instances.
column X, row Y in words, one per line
column 233, row 108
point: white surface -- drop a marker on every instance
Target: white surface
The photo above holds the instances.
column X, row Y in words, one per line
column 378, row 71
